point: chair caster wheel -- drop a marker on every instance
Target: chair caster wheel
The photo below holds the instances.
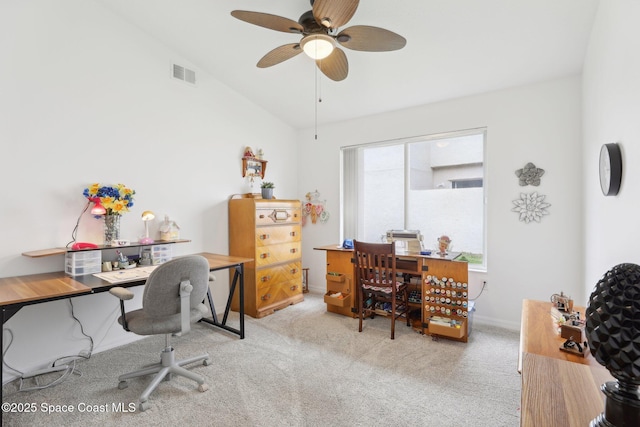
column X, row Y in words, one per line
column 143, row 406
column 206, row 362
column 122, row 385
column 203, row 387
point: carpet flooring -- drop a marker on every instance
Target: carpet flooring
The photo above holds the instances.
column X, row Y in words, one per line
column 301, row 366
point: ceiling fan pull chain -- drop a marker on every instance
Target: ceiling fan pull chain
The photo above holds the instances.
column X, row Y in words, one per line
column 316, row 103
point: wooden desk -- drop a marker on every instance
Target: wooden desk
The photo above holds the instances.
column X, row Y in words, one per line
column 20, row 291
column 559, row 393
column 340, row 278
column 34, row 288
column 558, row 388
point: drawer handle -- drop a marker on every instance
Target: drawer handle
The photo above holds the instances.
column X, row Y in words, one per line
column 293, row 250
column 265, row 278
column 261, row 216
column 294, row 270
column 264, row 236
column 265, row 255
column 279, row 215
column 294, row 287
column 265, row 297
column 293, row 234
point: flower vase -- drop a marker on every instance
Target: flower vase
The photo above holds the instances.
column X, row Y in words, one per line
column 111, row 229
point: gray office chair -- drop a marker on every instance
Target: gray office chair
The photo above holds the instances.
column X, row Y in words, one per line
column 172, row 300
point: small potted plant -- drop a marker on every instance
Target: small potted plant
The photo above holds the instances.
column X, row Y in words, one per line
column 267, row 190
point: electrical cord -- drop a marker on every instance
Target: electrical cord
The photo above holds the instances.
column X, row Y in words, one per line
column 74, row 233
column 67, row 369
column 78, row 356
column 484, row 285
column 22, row 377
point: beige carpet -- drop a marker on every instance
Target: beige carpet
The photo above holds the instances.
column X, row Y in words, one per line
column 300, row 366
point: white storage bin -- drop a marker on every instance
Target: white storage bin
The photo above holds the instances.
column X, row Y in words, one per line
column 160, row 254
column 82, row 263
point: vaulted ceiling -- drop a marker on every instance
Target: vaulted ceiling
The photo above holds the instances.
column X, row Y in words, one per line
column 454, row 48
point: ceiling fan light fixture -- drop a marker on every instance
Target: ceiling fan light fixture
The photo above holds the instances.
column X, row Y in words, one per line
column 317, row 46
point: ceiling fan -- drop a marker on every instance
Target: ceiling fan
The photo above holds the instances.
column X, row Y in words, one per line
column 321, row 37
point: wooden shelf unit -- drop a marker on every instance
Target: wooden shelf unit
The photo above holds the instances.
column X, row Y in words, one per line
column 61, row 251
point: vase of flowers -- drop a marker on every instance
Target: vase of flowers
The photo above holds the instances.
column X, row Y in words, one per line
column 111, row 229
column 116, row 200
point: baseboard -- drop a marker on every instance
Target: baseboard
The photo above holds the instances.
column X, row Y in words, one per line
column 489, row 321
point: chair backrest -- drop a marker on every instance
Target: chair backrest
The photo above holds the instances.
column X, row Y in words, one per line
column 375, row 264
column 161, row 295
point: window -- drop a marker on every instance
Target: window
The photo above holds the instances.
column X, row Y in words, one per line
column 434, row 184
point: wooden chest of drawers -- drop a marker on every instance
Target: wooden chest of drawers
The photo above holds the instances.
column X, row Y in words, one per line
column 269, row 231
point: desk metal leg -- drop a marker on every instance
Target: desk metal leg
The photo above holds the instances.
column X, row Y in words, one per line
column 7, row 313
column 2, row 362
column 238, row 276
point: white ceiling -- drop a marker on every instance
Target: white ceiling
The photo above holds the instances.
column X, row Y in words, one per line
column 454, row 48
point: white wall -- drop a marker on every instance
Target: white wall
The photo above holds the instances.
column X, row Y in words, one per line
column 539, row 123
column 611, row 108
column 85, row 97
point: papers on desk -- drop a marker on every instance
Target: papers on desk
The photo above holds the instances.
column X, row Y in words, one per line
column 128, row 275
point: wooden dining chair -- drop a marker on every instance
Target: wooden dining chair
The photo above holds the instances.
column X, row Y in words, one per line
column 378, row 284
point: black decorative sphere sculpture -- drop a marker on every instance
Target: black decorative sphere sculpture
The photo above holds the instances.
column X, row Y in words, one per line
column 612, row 329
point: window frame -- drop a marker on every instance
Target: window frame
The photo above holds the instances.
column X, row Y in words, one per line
column 351, row 165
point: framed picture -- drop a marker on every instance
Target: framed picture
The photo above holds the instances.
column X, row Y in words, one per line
column 253, row 167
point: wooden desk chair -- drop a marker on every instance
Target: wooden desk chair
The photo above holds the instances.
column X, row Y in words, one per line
column 377, row 282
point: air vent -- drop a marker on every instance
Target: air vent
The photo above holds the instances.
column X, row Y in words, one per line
column 181, row 73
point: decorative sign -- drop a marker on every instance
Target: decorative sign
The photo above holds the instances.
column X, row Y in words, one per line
column 314, row 208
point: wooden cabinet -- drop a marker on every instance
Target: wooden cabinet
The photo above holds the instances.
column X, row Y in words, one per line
column 269, row 231
column 440, row 285
column 340, row 281
column 446, row 298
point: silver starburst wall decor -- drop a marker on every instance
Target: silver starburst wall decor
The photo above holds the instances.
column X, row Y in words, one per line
column 531, row 207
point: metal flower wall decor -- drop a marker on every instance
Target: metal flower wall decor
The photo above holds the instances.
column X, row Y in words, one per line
column 531, row 207
column 529, row 175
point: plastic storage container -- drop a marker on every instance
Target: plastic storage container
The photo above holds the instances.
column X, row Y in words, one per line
column 160, row 254
column 82, row 263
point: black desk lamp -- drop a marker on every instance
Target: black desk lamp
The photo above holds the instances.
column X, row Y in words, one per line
column 613, row 331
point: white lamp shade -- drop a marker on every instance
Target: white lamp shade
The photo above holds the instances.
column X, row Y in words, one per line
column 147, row 215
column 317, row 46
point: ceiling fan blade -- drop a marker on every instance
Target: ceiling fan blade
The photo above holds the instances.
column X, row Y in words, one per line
column 334, row 66
column 273, row 22
column 334, row 13
column 279, row 54
column 370, row 39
